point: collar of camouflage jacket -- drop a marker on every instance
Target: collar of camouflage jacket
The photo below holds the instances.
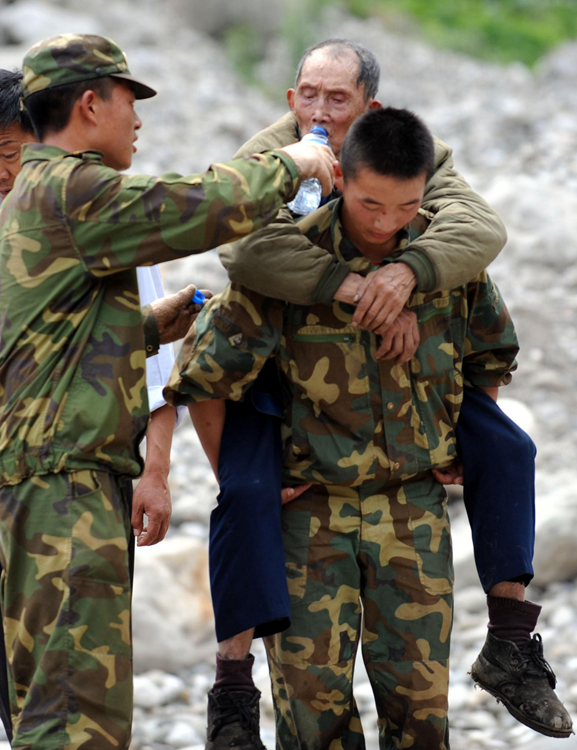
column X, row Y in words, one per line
column 44, row 152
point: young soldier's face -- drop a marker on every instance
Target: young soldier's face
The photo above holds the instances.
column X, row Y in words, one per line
column 118, row 126
column 11, row 139
column 327, row 94
column 376, row 207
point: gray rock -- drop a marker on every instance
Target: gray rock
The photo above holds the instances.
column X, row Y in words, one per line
column 182, row 734
column 29, row 21
column 157, row 688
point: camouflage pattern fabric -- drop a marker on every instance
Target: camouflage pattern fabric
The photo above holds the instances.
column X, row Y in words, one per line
column 71, row 58
column 387, row 547
column 66, row 606
column 352, row 419
column 72, row 232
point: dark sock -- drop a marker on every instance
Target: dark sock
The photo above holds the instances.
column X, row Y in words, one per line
column 511, row 619
column 234, row 674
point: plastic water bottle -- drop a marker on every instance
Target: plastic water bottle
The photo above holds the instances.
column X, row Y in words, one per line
column 308, row 198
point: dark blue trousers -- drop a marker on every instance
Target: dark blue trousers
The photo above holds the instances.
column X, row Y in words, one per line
column 246, row 555
column 247, row 572
column 499, row 472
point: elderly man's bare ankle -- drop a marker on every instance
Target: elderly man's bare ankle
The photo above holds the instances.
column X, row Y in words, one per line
column 237, row 647
column 508, row 590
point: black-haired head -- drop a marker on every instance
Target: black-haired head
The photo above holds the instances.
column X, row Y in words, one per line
column 10, row 110
column 391, row 142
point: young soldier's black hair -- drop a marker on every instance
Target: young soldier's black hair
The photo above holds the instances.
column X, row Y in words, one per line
column 391, row 142
column 50, row 109
column 10, row 112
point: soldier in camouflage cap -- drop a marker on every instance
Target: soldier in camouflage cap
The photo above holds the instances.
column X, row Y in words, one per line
column 71, row 58
column 73, row 399
column 365, row 434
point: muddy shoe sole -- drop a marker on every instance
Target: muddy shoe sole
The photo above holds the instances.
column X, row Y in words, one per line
column 531, row 723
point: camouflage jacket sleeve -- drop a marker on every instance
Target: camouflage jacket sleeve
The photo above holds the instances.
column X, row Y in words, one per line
column 226, row 348
column 122, row 221
column 465, row 235
column 491, row 343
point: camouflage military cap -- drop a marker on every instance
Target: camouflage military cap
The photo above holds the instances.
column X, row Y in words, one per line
column 71, row 58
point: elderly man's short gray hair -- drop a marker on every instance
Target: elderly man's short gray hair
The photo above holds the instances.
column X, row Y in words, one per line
column 369, row 69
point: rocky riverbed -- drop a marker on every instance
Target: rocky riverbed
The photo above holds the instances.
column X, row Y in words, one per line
column 514, row 138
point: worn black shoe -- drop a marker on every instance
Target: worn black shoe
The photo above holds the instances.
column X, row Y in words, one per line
column 233, row 720
column 521, row 679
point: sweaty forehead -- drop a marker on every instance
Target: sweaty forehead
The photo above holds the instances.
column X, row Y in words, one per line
column 333, row 68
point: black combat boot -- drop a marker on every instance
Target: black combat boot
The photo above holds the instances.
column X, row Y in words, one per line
column 233, row 720
column 520, row 678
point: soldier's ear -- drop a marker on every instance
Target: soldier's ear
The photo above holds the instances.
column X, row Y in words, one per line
column 339, row 179
column 86, row 106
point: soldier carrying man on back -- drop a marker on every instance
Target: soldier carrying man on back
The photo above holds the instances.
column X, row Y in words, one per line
column 364, row 437
column 337, row 80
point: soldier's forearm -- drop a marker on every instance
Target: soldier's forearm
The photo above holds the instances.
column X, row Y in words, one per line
column 159, row 440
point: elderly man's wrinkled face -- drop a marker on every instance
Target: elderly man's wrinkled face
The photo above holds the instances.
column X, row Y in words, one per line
column 11, row 140
column 327, row 94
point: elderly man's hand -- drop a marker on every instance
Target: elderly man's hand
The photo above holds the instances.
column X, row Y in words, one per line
column 383, row 296
column 151, row 497
column 351, row 288
column 452, row 474
column 291, row 493
column 400, row 340
column 313, row 160
column 174, row 315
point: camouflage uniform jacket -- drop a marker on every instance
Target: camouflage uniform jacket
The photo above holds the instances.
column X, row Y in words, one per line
column 352, row 418
column 464, row 237
column 73, row 231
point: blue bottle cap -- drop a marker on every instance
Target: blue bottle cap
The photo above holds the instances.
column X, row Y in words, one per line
column 319, row 130
column 198, row 298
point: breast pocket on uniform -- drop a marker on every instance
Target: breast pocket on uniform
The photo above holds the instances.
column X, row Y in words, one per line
column 327, row 364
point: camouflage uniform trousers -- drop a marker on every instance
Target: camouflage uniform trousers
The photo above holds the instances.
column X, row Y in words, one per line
column 66, row 603
column 371, row 563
